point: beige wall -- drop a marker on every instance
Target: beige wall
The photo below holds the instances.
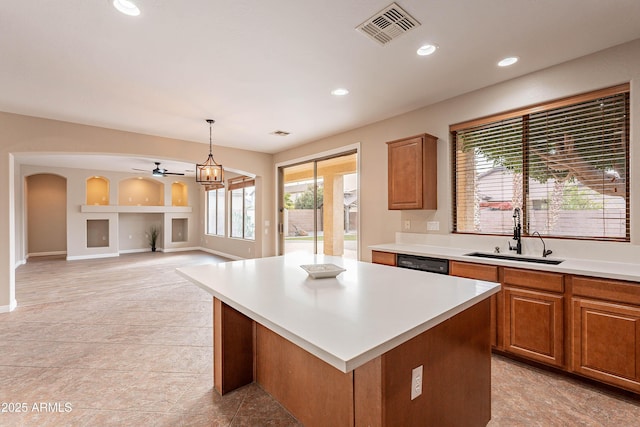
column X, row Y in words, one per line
column 22, row 135
column 46, row 214
column 378, row 225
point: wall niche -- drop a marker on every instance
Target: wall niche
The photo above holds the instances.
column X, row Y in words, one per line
column 97, row 191
column 97, row 233
column 140, row 192
column 179, row 230
column 179, row 194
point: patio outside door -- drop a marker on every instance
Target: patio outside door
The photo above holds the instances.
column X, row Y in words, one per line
column 319, row 206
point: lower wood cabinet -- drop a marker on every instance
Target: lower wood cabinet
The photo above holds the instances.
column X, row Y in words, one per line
column 488, row 273
column 585, row 325
column 385, row 258
column 534, row 315
column 533, row 325
column 606, row 331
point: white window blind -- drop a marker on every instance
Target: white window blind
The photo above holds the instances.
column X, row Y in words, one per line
column 243, row 211
column 565, row 165
column 215, row 211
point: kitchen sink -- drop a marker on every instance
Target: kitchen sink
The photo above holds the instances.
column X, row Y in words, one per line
column 515, row 258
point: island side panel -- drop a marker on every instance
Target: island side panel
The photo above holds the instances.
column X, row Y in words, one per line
column 368, row 394
column 233, row 351
column 316, row 393
column 456, row 360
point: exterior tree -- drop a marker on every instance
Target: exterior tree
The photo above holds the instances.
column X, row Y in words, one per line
column 288, row 203
column 305, row 200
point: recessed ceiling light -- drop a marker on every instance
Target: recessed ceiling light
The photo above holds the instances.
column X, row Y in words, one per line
column 427, row 49
column 510, row 60
column 127, row 7
column 339, row 92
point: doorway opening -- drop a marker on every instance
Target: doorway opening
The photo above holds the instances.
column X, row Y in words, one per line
column 318, row 206
column 46, row 219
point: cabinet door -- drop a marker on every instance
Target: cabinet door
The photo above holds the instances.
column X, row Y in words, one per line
column 606, row 342
column 533, row 325
column 412, row 173
column 386, row 258
column 490, row 274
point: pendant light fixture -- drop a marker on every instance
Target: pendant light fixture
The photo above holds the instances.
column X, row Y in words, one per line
column 210, row 173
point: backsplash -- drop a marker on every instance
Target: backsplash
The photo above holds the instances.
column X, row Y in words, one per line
column 562, row 248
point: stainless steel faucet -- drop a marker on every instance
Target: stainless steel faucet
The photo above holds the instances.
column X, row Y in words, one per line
column 517, row 232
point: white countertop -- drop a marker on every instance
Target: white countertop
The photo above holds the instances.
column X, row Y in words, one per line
column 345, row 321
column 604, row 269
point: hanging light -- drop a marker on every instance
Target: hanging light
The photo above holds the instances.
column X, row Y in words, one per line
column 210, row 174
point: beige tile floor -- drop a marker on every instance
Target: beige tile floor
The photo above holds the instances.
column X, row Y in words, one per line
column 127, row 342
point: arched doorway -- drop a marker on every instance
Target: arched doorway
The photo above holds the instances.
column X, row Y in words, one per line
column 46, row 203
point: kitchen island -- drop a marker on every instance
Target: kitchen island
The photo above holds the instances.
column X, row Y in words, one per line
column 342, row 351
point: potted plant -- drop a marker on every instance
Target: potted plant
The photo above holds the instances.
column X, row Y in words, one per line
column 153, row 237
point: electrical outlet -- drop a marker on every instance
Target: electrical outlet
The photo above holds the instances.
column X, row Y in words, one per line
column 416, row 382
column 433, row 225
column 407, row 224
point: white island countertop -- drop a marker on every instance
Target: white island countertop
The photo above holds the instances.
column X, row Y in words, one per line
column 345, row 321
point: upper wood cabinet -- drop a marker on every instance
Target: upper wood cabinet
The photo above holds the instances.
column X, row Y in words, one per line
column 413, row 172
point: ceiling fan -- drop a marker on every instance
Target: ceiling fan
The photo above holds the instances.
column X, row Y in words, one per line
column 158, row 171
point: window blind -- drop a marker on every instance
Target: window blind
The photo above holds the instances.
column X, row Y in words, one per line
column 565, row 166
column 241, row 182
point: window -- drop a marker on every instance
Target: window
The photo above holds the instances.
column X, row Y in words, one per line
column 565, row 165
column 215, row 211
column 243, row 208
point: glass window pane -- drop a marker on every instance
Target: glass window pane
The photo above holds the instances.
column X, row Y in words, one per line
column 220, row 212
column 211, row 212
column 236, row 212
column 489, row 177
column 249, row 213
column 566, row 168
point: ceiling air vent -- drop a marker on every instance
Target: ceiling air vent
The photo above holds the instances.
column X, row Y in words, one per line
column 388, row 24
column 280, row 133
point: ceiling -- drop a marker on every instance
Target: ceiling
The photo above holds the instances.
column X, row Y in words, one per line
column 260, row 66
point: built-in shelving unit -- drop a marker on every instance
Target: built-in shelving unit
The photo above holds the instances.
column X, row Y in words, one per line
column 135, row 209
column 128, row 213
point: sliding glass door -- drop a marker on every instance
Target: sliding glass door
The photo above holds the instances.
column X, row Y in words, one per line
column 319, row 206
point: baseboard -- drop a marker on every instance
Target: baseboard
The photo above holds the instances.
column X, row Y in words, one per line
column 131, row 251
column 52, row 253
column 222, row 254
column 8, row 308
column 95, row 256
column 181, row 249
column 137, row 251
column 20, row 262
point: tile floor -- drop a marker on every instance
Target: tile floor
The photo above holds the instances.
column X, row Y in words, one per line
column 127, row 342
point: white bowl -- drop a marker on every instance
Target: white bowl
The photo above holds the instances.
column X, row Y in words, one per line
column 322, row 271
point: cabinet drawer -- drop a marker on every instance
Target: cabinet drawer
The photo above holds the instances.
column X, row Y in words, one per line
column 552, row 282
column 474, row 271
column 386, row 258
column 612, row 290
